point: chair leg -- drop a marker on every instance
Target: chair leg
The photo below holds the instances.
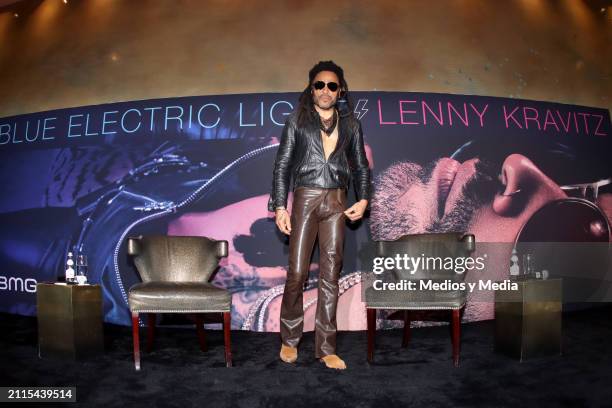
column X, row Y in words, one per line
column 406, row 337
column 227, row 325
column 199, row 321
column 150, row 331
column 371, row 318
column 136, row 337
column 456, row 335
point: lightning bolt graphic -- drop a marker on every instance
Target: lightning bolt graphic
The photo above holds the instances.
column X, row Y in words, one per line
column 360, row 108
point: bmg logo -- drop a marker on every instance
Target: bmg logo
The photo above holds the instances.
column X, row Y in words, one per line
column 17, row 284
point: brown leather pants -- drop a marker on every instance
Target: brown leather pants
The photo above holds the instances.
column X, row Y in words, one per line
column 315, row 211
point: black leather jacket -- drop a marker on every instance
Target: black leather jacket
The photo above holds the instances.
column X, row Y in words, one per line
column 301, row 155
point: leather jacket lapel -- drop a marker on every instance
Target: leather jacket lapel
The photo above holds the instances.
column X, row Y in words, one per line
column 342, row 134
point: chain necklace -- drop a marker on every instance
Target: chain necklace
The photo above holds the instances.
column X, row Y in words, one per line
column 328, row 125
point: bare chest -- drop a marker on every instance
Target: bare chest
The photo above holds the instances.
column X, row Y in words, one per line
column 329, row 142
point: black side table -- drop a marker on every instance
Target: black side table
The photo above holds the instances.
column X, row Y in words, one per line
column 69, row 320
column 528, row 321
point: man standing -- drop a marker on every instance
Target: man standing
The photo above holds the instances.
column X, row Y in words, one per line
column 321, row 145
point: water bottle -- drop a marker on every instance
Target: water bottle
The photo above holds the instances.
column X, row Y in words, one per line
column 514, row 266
column 70, row 269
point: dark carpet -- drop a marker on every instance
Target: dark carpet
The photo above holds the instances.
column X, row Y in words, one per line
column 177, row 374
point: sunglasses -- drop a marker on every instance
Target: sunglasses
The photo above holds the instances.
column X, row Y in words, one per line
column 588, row 191
column 332, row 86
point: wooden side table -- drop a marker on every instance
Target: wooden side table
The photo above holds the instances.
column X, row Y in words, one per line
column 69, row 320
column 528, row 321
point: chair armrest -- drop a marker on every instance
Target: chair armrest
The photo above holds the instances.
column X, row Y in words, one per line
column 134, row 247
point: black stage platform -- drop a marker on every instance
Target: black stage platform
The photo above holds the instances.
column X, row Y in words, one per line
column 177, row 374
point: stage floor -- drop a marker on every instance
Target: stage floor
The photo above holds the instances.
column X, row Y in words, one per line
column 177, row 374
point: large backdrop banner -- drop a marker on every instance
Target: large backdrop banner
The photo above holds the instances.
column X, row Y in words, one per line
column 87, row 178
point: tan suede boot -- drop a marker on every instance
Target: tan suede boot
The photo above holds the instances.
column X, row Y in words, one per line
column 333, row 361
column 288, row 354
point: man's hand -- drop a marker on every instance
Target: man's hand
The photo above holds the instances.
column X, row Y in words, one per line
column 283, row 221
column 355, row 212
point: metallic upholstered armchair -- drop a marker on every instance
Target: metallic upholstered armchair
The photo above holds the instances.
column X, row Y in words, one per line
column 175, row 273
column 419, row 246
